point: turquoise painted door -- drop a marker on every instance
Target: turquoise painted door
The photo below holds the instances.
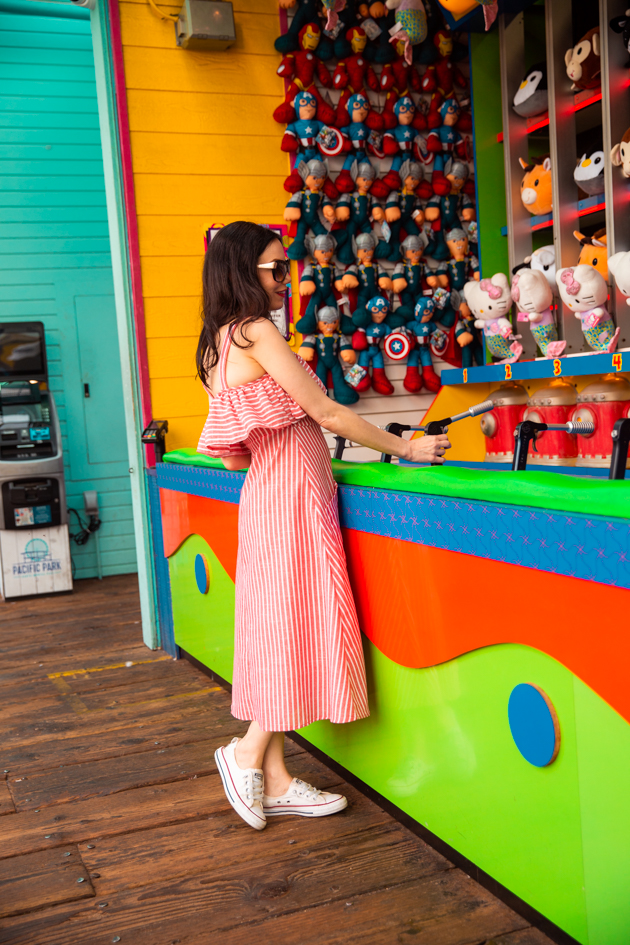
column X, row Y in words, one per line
column 54, row 253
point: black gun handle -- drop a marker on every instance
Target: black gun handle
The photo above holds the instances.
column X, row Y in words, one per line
column 397, row 429
column 523, row 435
column 340, row 445
column 435, row 428
column 621, row 441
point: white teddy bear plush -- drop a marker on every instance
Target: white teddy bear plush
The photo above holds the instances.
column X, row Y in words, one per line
column 583, row 289
column 490, row 301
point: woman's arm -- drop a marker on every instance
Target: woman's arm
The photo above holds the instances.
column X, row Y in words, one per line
column 274, row 355
column 235, row 462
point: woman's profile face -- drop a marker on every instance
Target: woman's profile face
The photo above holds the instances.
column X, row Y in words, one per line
column 275, row 290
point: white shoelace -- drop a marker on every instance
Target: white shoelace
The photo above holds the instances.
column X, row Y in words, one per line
column 309, row 792
column 252, row 789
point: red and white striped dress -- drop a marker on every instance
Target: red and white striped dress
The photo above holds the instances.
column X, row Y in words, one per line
column 297, row 645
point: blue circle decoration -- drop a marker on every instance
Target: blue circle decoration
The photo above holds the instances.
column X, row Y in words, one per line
column 534, row 724
column 202, row 574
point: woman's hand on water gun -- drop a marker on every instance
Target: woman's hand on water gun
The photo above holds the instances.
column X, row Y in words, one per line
column 428, row 449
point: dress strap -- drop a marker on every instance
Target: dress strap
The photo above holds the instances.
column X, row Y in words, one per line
column 223, row 356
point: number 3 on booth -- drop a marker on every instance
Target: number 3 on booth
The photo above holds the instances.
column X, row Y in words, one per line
column 557, row 367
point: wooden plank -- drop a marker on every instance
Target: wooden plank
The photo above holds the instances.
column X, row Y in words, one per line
column 385, row 850
column 529, row 936
column 199, row 112
column 108, row 816
column 157, row 153
column 286, row 882
column 6, row 801
column 175, row 69
column 160, row 766
column 37, row 880
column 217, row 195
column 35, row 731
column 172, row 317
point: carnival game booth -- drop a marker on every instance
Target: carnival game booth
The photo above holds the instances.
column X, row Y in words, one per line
column 452, row 180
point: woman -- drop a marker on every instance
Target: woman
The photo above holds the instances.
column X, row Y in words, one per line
column 297, row 645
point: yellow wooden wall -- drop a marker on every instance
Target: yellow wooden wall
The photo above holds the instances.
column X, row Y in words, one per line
column 205, row 150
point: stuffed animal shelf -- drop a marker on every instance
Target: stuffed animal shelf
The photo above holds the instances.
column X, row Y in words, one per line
column 536, row 186
column 332, row 348
column 583, row 290
column 583, row 61
column 532, row 97
column 489, row 301
column 534, row 298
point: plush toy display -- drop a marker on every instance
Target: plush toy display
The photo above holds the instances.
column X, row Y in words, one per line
column 536, row 185
column 589, row 172
column 620, row 154
column 619, row 265
column 420, row 370
column 543, row 259
column 532, row 97
column 593, row 251
column 372, row 329
column 331, row 346
column 304, row 206
column 583, row 61
column 534, row 298
column 300, row 69
column 584, row 290
column 318, row 283
column 489, row 301
column 410, row 27
column 365, row 133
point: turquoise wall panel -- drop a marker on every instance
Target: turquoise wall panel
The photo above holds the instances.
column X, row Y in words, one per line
column 55, row 262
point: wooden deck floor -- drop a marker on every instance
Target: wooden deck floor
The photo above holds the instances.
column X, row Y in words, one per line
column 115, row 827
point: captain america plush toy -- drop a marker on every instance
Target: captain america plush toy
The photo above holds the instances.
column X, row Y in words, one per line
column 368, row 341
column 423, row 328
column 358, row 140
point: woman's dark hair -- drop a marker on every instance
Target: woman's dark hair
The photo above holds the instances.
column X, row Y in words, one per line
column 232, row 291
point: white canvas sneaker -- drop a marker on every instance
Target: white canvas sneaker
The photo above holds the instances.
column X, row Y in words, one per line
column 243, row 786
column 305, row 800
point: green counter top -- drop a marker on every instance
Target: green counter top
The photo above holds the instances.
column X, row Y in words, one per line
column 529, row 488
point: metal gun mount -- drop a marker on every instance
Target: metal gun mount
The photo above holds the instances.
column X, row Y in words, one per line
column 621, row 441
column 436, row 427
column 529, row 430
column 155, row 435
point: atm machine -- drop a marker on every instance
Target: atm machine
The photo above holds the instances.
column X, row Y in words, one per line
column 34, row 541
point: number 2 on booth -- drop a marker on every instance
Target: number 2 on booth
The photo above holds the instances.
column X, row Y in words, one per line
column 508, row 372
column 617, row 360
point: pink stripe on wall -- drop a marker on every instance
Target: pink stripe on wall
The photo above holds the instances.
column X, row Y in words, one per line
column 131, row 219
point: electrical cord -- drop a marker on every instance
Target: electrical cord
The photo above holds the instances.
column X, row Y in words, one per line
column 82, row 537
column 173, row 17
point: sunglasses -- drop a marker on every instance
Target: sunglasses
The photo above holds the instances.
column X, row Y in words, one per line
column 280, row 268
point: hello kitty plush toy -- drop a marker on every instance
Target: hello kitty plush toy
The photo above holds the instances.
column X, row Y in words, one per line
column 490, row 301
column 583, row 289
column 533, row 296
column 619, row 265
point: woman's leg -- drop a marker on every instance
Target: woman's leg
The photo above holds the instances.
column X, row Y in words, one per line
column 251, row 749
column 277, row 778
